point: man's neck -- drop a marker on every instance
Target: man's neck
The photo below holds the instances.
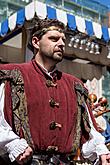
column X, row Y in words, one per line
column 48, row 66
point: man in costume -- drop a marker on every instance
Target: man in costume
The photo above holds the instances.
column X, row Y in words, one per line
column 44, row 113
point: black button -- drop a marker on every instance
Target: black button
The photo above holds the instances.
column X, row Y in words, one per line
column 50, row 83
column 53, row 125
column 53, row 103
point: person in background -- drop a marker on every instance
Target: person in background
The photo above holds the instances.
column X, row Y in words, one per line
column 45, row 116
column 100, row 110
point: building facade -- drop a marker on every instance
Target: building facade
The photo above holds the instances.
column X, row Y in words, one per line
column 8, row 7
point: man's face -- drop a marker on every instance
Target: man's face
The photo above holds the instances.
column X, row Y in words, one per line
column 52, row 45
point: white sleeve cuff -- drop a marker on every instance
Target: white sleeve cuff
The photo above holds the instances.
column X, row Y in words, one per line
column 15, row 148
column 94, row 147
column 100, row 146
column 102, row 149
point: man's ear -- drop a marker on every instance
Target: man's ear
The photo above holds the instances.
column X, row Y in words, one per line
column 35, row 42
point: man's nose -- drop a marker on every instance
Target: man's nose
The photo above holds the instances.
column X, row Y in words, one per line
column 61, row 42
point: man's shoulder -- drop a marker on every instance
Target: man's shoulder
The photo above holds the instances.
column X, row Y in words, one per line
column 71, row 77
column 13, row 72
column 14, row 66
column 77, row 83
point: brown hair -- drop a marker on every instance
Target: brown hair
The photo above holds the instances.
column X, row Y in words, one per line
column 40, row 27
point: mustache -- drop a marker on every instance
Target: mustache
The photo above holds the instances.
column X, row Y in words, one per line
column 62, row 50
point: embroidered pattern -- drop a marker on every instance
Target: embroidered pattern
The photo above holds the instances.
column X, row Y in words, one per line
column 82, row 114
column 19, row 106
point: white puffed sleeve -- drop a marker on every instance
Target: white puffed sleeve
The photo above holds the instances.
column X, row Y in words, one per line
column 9, row 141
column 95, row 146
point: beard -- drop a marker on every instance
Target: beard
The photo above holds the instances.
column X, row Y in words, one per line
column 52, row 56
column 57, row 56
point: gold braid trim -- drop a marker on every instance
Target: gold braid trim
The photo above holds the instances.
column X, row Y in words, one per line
column 82, row 95
column 82, row 114
column 77, row 135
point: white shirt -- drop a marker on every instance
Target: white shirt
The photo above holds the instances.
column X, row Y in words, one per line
column 12, row 144
column 9, row 141
column 95, row 146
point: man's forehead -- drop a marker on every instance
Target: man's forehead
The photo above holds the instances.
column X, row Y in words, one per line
column 55, row 33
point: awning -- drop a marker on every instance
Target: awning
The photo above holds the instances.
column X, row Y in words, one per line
column 43, row 10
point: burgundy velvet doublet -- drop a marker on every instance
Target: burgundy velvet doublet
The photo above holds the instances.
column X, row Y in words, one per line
column 52, row 107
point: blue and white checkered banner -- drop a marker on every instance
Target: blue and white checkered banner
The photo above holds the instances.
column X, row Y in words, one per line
column 43, row 10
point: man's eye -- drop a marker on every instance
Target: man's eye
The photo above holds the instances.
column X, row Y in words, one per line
column 54, row 39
